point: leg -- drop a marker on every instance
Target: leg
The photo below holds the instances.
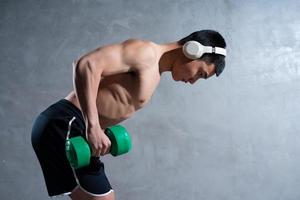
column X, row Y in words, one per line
column 79, row 194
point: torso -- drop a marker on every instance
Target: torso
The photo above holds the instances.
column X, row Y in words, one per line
column 121, row 95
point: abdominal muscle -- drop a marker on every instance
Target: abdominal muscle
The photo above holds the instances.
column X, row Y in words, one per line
column 110, row 110
column 114, row 104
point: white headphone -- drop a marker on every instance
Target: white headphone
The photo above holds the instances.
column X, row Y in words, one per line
column 194, row 50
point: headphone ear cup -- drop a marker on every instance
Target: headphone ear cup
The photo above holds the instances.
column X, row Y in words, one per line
column 193, row 50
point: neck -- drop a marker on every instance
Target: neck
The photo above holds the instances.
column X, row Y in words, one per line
column 169, row 52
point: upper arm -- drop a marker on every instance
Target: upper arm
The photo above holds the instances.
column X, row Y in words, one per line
column 130, row 55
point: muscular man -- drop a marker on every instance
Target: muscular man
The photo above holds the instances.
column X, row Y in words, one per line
column 110, row 84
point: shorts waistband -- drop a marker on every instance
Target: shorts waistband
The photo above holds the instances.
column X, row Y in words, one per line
column 69, row 103
column 74, row 108
column 63, row 108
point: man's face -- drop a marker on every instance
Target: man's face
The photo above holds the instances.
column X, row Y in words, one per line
column 193, row 70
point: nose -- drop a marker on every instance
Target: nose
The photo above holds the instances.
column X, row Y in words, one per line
column 192, row 80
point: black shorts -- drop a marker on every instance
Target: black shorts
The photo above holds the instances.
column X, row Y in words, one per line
column 48, row 140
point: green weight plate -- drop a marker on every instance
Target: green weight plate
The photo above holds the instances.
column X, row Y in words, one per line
column 120, row 139
column 78, row 152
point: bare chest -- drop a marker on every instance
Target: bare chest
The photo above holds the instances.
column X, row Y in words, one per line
column 119, row 96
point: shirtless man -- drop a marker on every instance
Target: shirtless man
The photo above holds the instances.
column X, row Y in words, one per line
column 110, row 84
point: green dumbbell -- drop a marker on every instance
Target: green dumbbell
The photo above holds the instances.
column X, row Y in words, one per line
column 79, row 152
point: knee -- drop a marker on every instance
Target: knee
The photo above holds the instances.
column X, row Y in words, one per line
column 110, row 196
column 79, row 194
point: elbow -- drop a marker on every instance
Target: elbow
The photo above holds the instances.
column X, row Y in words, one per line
column 83, row 66
column 86, row 71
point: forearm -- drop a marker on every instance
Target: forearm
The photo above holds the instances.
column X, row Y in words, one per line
column 86, row 82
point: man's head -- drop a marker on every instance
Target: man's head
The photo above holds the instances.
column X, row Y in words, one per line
column 208, row 64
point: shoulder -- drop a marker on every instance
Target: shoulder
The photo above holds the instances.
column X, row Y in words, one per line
column 139, row 53
column 130, row 55
column 138, row 43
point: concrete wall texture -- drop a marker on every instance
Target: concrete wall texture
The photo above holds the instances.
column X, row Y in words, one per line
column 234, row 137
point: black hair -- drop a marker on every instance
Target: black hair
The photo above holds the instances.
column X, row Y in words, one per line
column 209, row 38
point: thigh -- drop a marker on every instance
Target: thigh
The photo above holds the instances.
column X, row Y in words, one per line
column 80, row 194
column 92, row 178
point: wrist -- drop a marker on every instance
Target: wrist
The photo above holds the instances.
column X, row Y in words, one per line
column 92, row 123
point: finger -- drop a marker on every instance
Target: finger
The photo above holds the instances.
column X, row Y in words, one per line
column 103, row 150
column 99, row 151
column 96, row 151
column 108, row 149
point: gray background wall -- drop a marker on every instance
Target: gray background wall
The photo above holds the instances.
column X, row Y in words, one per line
column 228, row 138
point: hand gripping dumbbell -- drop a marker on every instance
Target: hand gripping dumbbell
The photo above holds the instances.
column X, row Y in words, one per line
column 79, row 152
